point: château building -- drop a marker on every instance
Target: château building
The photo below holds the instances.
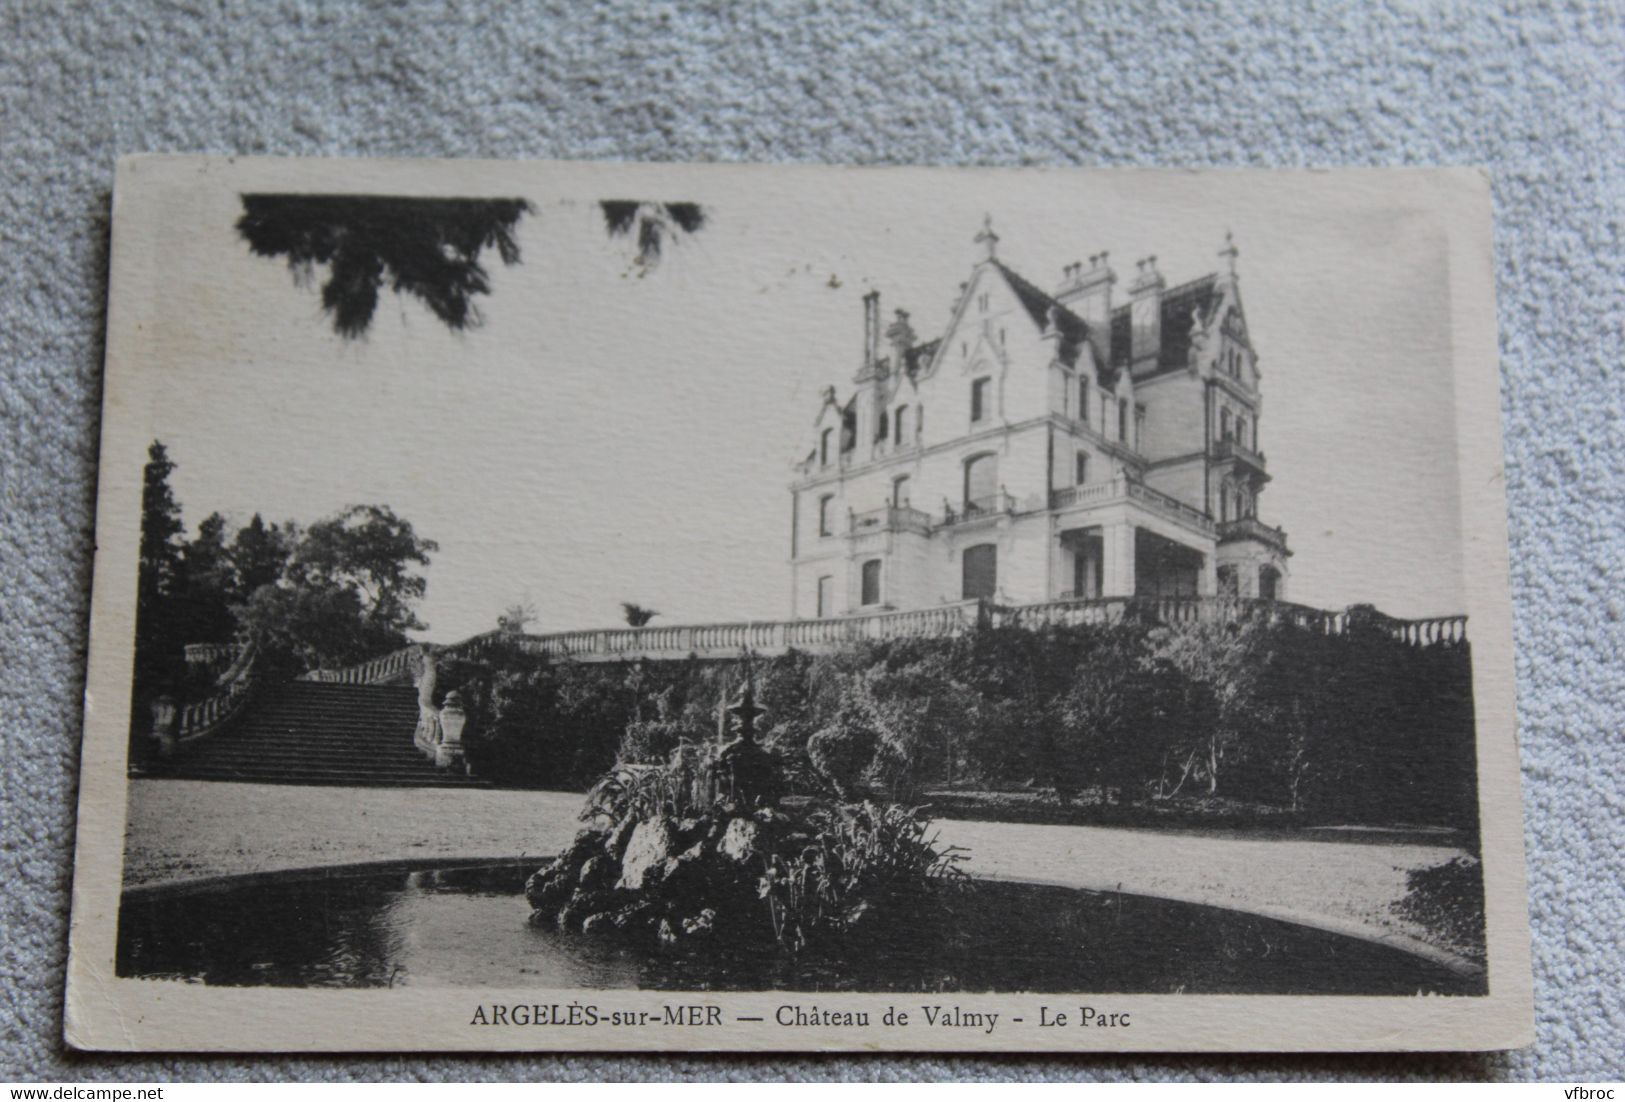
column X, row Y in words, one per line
column 1048, row 445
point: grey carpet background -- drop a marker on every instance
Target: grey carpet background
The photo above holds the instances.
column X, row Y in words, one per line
column 1531, row 91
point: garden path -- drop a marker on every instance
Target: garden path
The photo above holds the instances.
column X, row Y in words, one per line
column 185, row 830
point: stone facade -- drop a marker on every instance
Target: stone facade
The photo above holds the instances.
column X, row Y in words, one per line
column 1049, row 444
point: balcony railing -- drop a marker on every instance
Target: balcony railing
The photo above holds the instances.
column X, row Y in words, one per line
column 1100, row 492
column 1251, row 528
column 1120, row 489
column 1170, row 506
column 978, row 507
column 890, row 518
column 1235, row 449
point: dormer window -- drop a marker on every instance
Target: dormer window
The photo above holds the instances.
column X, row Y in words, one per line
column 897, row 425
column 823, row 447
column 1083, row 400
column 1122, row 420
column 978, row 399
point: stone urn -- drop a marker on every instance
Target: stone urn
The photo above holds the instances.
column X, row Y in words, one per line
column 448, row 753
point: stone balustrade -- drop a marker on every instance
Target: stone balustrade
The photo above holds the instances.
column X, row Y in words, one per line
column 176, row 725
column 395, row 666
column 211, row 654
column 1127, row 489
column 1251, row 528
column 890, row 518
column 770, row 637
column 439, row 728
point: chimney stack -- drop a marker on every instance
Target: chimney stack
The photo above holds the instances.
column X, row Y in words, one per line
column 871, row 333
column 900, row 335
column 1086, row 290
column 1145, row 315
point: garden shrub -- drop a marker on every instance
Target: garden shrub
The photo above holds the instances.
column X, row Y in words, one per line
column 1356, row 727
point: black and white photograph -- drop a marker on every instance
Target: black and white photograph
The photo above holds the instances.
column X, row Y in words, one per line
column 760, row 607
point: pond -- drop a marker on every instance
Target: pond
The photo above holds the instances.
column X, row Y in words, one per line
column 469, row 927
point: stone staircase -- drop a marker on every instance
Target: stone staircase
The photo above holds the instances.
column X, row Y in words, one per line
column 308, row 732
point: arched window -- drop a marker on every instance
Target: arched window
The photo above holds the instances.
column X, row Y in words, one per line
column 980, row 572
column 1269, row 583
column 823, row 447
column 897, row 425
column 871, row 583
column 981, row 482
column 824, row 510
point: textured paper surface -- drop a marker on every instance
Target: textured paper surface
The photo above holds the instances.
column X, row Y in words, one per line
column 825, row 217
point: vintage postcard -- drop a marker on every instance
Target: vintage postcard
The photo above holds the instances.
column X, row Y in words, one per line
column 683, row 608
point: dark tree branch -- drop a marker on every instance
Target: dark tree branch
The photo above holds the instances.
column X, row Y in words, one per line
column 427, row 248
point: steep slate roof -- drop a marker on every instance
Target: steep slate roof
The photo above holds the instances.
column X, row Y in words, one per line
column 1042, row 308
column 1178, row 306
column 916, row 358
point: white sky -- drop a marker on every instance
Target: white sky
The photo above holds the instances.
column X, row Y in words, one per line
column 605, row 438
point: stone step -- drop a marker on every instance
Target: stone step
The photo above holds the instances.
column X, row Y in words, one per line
column 335, row 779
column 298, row 752
column 307, row 732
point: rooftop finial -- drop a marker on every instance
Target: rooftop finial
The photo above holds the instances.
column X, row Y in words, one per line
column 1230, row 252
column 987, row 238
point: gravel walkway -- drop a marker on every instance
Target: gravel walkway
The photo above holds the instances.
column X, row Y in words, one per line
column 184, row 830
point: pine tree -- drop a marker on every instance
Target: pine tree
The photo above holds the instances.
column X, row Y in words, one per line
column 159, row 661
column 259, row 554
column 161, row 528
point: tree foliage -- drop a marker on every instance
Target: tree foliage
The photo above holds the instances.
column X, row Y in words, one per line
column 343, row 590
column 369, row 551
column 158, row 662
column 430, row 249
column 636, row 615
column 651, row 226
column 517, row 616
